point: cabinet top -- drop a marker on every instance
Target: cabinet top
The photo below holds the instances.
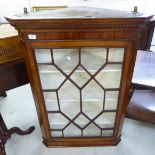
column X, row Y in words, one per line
column 78, row 18
column 78, row 13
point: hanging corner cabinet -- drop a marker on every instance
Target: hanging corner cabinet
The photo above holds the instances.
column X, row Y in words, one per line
column 80, row 63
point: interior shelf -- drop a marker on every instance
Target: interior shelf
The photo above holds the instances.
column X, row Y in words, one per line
column 91, row 100
column 48, row 69
column 109, row 76
column 105, row 120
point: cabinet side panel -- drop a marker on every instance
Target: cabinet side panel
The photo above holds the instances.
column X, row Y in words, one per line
column 35, row 86
column 125, row 86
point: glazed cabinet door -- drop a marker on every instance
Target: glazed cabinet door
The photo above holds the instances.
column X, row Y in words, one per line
column 80, row 85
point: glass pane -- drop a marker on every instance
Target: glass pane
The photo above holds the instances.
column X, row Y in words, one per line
column 70, row 108
column 69, row 99
column 93, row 58
column 107, row 133
column 111, row 100
column 72, row 131
column 57, row 121
column 43, row 55
column 66, row 59
column 92, row 92
column 69, row 92
column 56, row 133
column 92, row 99
column 81, row 120
column 50, row 77
column 116, row 54
column 91, row 131
column 92, row 108
column 80, row 76
column 106, row 120
column 51, row 101
column 110, row 76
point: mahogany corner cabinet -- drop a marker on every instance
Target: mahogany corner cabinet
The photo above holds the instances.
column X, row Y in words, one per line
column 80, row 62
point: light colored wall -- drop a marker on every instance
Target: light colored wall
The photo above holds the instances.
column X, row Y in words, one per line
column 143, row 5
column 9, row 7
column 16, row 6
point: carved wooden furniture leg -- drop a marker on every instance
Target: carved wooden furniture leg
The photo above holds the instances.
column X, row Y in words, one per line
column 3, row 94
column 5, row 134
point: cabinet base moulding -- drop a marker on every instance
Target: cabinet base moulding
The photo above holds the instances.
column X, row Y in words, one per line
column 81, row 142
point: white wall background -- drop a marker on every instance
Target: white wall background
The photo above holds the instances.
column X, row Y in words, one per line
column 9, row 7
column 112, row 4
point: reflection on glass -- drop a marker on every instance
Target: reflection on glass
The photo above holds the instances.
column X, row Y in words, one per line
column 66, row 59
column 93, row 58
column 110, row 76
column 92, row 92
column 57, row 120
column 70, row 108
column 68, row 92
column 92, row 97
column 106, row 120
column 91, row 131
column 111, row 100
column 72, row 131
column 50, row 77
column 107, row 133
column 92, row 108
column 56, row 133
column 69, row 99
column 81, row 120
column 116, row 54
column 51, row 101
column 43, row 55
column 80, row 77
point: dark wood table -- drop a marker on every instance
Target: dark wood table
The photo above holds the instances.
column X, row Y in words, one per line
column 142, row 103
column 12, row 75
column 6, row 133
